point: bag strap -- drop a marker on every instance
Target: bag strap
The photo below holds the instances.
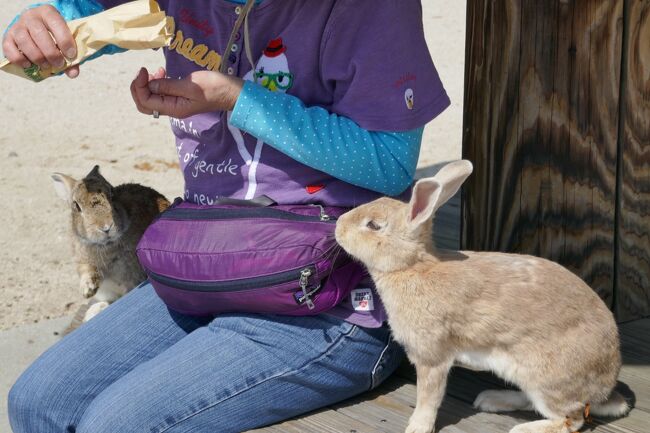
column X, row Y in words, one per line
column 261, row 201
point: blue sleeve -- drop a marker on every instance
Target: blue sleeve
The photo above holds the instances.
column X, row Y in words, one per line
column 72, row 10
column 381, row 161
column 69, row 9
column 75, row 9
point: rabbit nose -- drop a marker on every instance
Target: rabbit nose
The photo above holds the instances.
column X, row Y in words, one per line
column 107, row 228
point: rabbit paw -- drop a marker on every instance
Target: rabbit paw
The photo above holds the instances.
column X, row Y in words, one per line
column 418, row 428
column 420, row 424
column 89, row 285
column 95, row 309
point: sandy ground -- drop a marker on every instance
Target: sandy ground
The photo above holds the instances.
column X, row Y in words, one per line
column 69, row 125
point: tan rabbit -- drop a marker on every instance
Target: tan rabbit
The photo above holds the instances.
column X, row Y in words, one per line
column 527, row 319
column 107, row 223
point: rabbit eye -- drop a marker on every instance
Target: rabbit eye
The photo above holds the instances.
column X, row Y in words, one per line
column 373, row 225
column 76, row 205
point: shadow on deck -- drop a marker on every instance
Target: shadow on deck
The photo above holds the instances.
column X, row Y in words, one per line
column 387, row 408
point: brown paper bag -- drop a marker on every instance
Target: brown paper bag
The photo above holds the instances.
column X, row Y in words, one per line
column 137, row 25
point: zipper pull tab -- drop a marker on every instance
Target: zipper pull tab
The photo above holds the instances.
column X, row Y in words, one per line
column 304, row 279
column 304, row 282
column 323, row 215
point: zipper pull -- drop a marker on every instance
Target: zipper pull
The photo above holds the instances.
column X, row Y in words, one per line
column 323, row 215
column 304, row 279
column 304, row 282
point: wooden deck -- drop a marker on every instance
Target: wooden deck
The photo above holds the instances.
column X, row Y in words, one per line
column 388, row 408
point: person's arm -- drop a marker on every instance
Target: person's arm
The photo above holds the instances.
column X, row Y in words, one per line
column 332, row 143
column 381, row 161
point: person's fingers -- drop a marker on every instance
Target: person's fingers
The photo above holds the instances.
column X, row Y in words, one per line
column 25, row 44
column 159, row 74
column 72, row 71
column 43, row 40
column 175, row 106
column 13, row 54
column 148, row 102
column 139, row 106
column 168, row 105
column 60, row 30
column 140, row 92
column 168, row 86
column 139, row 85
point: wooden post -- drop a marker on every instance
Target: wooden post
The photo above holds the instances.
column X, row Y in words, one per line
column 541, row 126
column 633, row 260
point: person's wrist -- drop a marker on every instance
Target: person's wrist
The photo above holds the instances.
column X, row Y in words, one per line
column 235, row 86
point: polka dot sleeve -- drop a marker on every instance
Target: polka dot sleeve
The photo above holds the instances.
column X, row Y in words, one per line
column 380, row 161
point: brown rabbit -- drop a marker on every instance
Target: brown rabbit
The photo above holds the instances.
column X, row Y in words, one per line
column 107, row 223
column 527, row 319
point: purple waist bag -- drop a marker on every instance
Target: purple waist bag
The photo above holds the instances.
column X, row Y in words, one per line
column 205, row 260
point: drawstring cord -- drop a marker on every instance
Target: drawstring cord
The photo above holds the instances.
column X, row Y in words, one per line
column 242, row 19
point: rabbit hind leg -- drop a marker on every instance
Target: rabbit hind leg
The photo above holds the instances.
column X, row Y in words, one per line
column 563, row 416
column 502, row 401
column 565, row 425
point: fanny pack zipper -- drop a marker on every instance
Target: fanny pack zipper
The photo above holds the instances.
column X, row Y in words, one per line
column 234, row 213
column 301, row 276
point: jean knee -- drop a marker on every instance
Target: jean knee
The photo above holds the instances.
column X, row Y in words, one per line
column 25, row 404
column 110, row 413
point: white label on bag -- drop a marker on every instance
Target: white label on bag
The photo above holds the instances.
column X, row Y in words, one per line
column 362, row 300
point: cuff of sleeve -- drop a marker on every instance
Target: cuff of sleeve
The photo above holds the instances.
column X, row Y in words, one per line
column 250, row 97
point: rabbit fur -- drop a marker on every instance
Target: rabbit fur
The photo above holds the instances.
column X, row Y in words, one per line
column 107, row 222
column 529, row 320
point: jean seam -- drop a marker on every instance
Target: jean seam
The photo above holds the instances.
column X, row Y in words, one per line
column 379, row 359
column 332, row 347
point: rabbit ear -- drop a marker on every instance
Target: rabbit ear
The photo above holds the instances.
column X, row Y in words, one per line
column 431, row 193
column 63, row 185
column 423, row 201
column 96, row 175
column 94, row 172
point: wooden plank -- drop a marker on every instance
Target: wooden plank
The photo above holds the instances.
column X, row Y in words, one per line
column 541, row 127
column 325, row 421
column 635, row 346
column 633, row 273
column 385, row 408
column 389, row 412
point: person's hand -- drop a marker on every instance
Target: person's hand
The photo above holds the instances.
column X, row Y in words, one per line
column 199, row 92
column 41, row 36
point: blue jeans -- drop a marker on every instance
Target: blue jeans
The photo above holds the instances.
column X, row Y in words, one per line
column 138, row 367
